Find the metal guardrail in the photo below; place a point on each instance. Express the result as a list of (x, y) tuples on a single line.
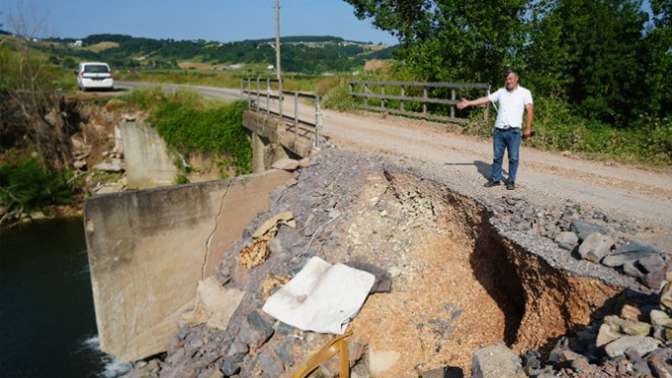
[(259, 100), (402, 97)]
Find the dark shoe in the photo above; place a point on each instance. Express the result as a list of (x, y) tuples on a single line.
[(490, 184), (510, 186)]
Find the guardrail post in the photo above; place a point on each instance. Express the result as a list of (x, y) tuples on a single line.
[(249, 93), (452, 107), (258, 93), (318, 126), (280, 96), (401, 102), (382, 98), (424, 104), (366, 92), (268, 96), (296, 112)]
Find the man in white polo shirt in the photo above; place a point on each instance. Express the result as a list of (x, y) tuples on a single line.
[(513, 101)]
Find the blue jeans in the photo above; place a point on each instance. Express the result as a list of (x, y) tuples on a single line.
[(508, 139)]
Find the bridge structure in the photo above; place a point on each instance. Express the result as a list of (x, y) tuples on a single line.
[(289, 123)]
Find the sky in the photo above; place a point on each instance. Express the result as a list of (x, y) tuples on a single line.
[(218, 20)]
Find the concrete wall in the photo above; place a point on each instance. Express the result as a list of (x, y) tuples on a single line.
[(148, 163), (148, 250)]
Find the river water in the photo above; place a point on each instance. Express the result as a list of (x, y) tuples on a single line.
[(47, 320)]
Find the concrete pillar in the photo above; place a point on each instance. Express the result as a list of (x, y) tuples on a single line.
[(258, 154)]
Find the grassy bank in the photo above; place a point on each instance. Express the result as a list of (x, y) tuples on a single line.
[(27, 184), (188, 123)]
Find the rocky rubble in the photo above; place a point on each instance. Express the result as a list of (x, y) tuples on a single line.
[(634, 343), (590, 235)]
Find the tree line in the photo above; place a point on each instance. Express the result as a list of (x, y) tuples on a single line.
[(331, 54), (609, 59)]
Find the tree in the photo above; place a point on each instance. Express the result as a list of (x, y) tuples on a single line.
[(452, 39), (603, 56), (588, 51)]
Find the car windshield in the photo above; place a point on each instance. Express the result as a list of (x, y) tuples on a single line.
[(96, 68)]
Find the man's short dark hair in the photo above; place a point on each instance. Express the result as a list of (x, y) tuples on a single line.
[(510, 71)]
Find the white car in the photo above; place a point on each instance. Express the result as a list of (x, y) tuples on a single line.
[(94, 75)]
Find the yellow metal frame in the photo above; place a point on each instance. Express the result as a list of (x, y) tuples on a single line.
[(338, 345)]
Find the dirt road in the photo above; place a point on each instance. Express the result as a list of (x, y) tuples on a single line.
[(642, 195)]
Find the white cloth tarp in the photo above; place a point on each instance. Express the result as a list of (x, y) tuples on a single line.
[(321, 297)]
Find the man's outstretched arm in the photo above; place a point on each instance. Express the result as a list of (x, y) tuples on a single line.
[(466, 103)]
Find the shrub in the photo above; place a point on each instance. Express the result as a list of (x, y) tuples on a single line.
[(26, 183), (187, 125), (338, 97)]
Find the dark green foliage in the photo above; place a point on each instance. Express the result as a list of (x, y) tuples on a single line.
[(27, 184), (590, 52), (189, 127)]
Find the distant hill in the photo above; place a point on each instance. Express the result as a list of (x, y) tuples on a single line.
[(303, 54)]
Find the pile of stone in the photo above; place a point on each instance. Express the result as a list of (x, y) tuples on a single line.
[(635, 343), (590, 235)]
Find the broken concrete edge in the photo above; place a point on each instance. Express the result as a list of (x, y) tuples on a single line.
[(239, 179)]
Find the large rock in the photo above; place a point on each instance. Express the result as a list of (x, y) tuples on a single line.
[(584, 229), (606, 335), (654, 268), (666, 296), (257, 332), (641, 344), (444, 372), (634, 247), (215, 304), (660, 318), (113, 165), (567, 240), (496, 361), (617, 259), (381, 361), (635, 328), (286, 164), (595, 247)]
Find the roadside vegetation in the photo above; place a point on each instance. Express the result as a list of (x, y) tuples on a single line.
[(27, 184), (35, 153), (188, 123)]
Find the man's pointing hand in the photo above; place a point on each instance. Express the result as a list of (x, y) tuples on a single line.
[(463, 104)]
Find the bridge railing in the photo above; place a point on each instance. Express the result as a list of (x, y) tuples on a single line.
[(263, 96), (427, 100)]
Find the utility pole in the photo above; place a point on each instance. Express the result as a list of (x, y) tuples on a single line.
[(278, 69)]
